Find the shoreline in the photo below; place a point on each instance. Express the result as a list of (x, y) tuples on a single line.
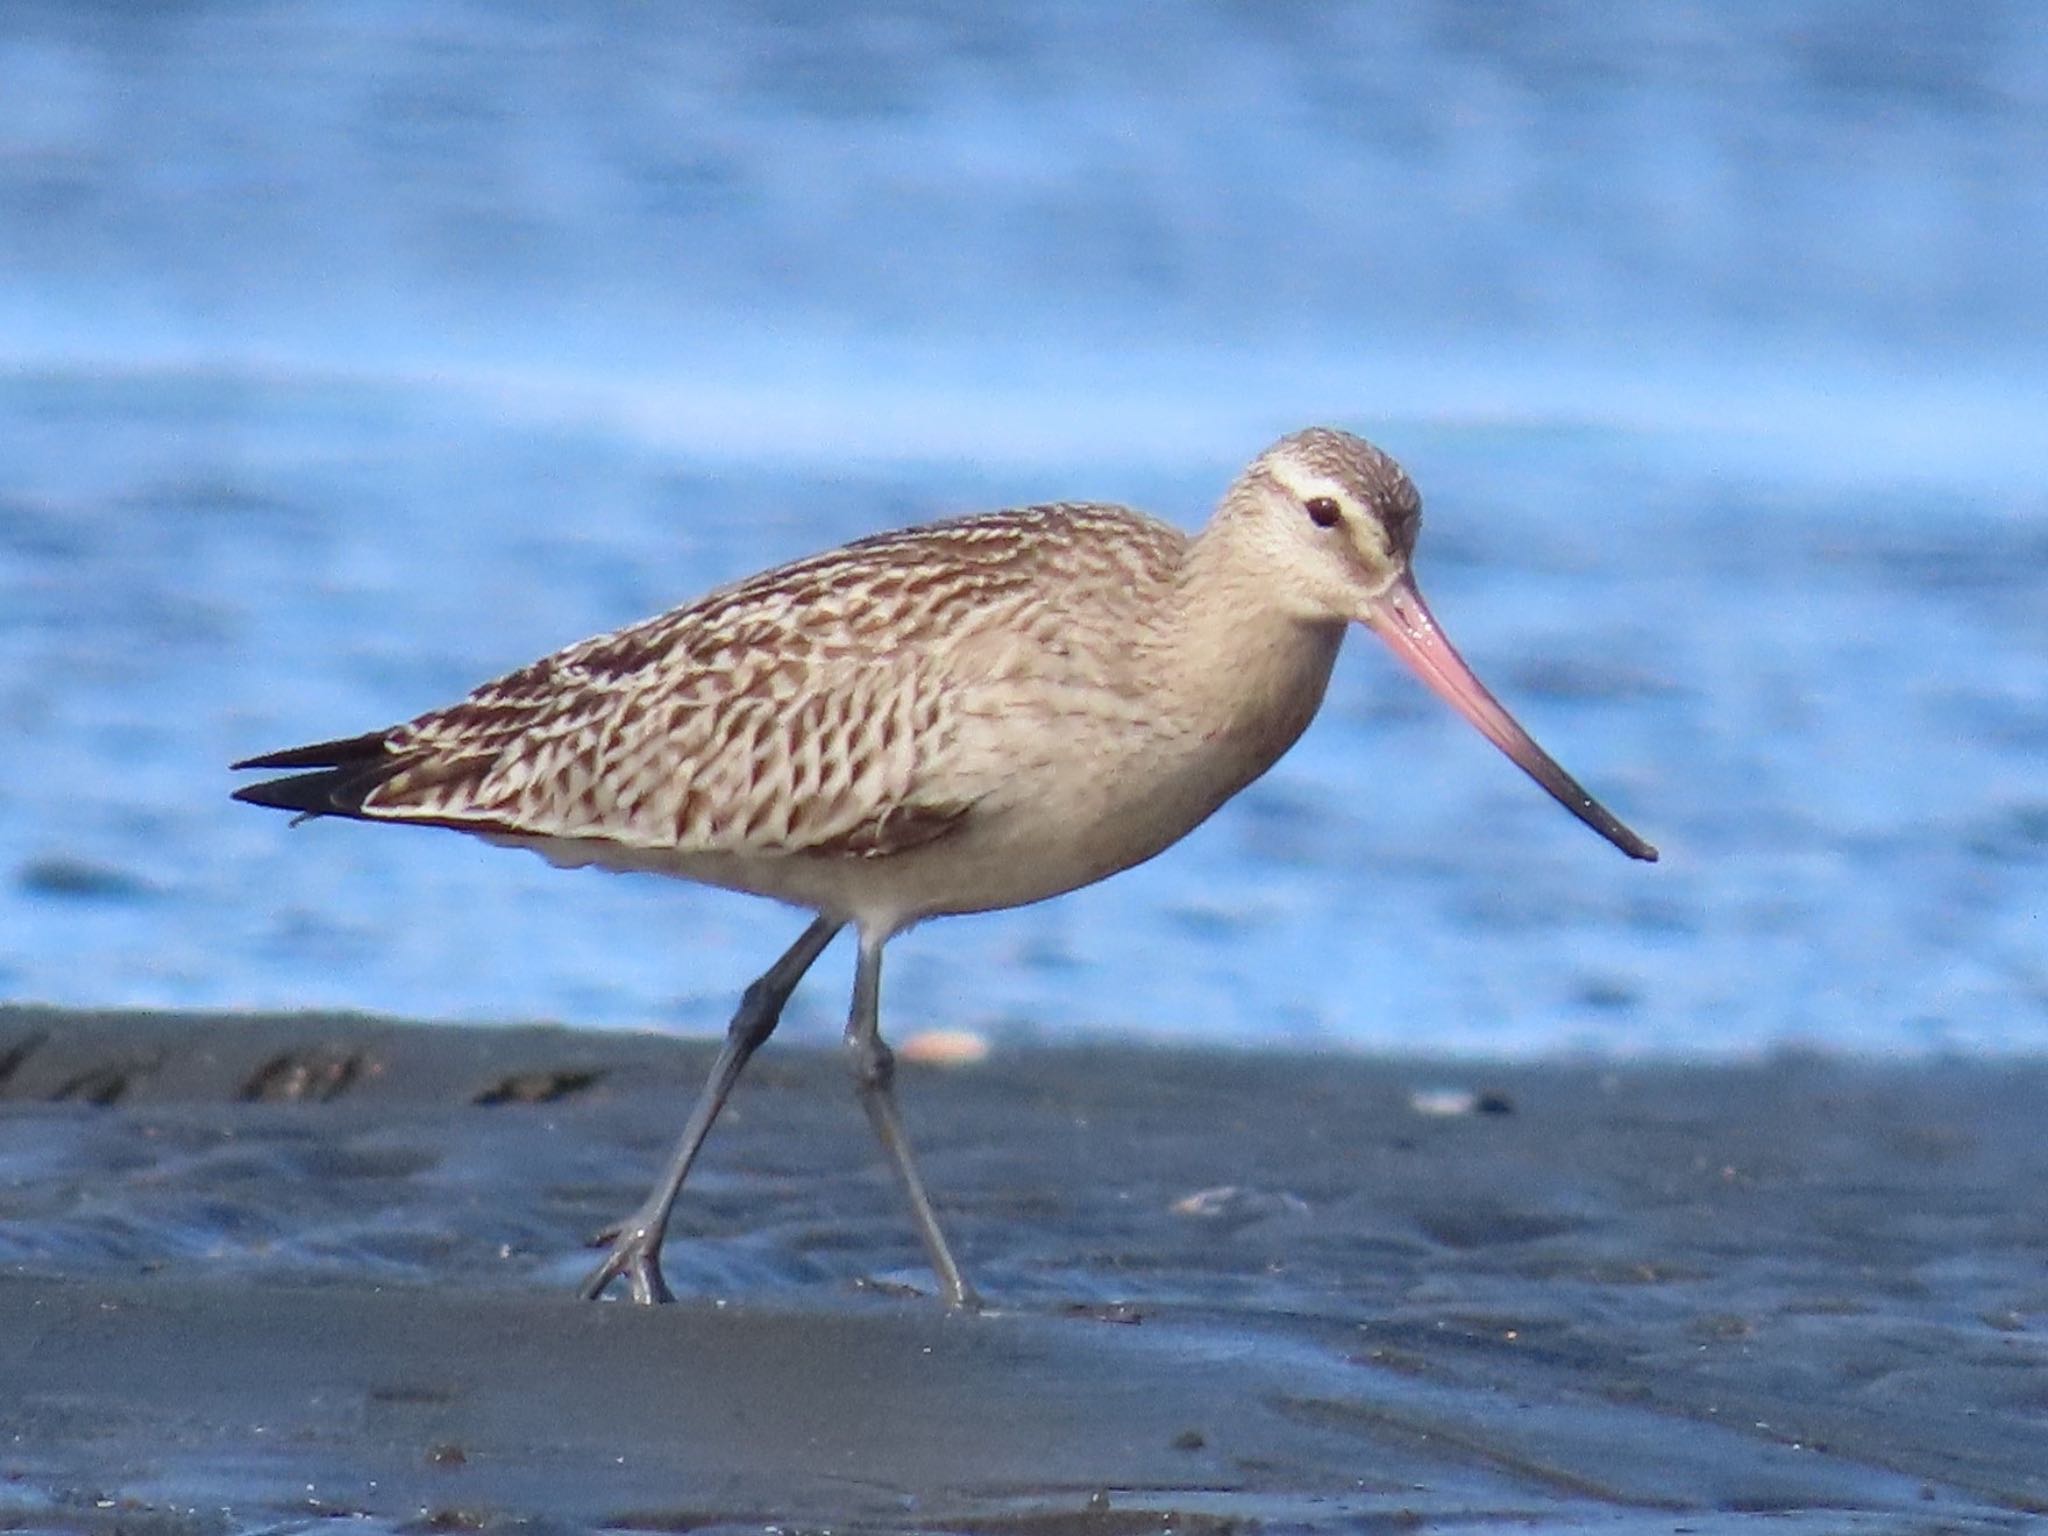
[(260, 1268)]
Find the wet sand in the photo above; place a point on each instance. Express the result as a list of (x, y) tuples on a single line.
[(259, 1271)]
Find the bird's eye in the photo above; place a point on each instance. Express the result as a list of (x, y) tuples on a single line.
[(1323, 511)]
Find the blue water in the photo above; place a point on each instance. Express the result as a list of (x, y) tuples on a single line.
[(350, 354)]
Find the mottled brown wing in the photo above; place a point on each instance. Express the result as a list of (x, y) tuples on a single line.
[(839, 706), (805, 710), (754, 742)]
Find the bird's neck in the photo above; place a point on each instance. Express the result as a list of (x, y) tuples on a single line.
[(1256, 667)]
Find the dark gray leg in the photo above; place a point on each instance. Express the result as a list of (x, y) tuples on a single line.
[(874, 1075), (636, 1242)]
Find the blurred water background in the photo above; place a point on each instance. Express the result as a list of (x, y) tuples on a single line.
[(352, 353)]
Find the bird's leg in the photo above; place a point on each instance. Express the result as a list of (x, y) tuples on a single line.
[(874, 1076), (636, 1242)]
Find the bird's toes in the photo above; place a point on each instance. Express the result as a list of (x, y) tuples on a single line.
[(634, 1258), (643, 1276), (594, 1284), (967, 1299)]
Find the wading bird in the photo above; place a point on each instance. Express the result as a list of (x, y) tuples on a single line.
[(954, 718)]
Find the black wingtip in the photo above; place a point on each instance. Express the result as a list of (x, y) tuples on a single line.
[(345, 771), (342, 752), (309, 794)]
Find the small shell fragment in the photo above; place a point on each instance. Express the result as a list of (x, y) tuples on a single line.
[(1443, 1101), (944, 1048)]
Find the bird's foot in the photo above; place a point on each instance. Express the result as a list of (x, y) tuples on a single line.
[(965, 1299), (635, 1257)]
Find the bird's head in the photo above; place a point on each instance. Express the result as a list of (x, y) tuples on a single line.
[(1335, 521), (1336, 515)]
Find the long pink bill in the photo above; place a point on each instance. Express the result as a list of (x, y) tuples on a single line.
[(1402, 619)]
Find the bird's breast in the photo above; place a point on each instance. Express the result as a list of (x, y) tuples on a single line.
[(1077, 773)]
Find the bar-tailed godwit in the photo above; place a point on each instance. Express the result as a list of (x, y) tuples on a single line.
[(954, 718)]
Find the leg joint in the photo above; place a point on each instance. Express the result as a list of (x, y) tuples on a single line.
[(759, 1011), (874, 1064)]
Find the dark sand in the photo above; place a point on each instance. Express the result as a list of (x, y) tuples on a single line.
[(255, 1272)]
